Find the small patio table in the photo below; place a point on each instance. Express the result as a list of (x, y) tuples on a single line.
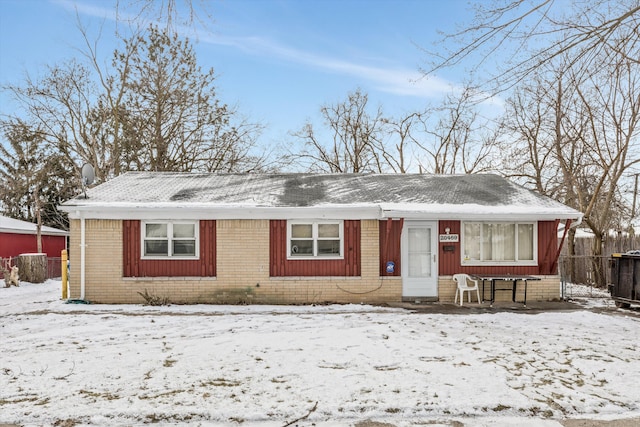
[(510, 278)]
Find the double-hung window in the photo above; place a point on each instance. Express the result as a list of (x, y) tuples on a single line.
[(315, 239), (499, 243), (175, 239)]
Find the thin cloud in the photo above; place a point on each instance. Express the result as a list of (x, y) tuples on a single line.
[(392, 80), (83, 8), (397, 81)]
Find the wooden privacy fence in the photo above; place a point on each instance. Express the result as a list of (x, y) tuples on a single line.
[(612, 244), (584, 268)]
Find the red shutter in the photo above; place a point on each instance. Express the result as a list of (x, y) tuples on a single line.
[(280, 266), (134, 266)]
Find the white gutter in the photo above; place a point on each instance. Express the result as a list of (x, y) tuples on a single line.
[(356, 211), (480, 216), (204, 212), (577, 223)]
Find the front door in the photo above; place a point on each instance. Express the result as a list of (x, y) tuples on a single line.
[(419, 259)]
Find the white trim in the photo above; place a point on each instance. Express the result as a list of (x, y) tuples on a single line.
[(314, 239), (200, 212), (429, 212), (170, 223), (478, 263), (500, 213)]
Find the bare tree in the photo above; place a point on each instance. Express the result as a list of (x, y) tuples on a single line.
[(398, 146), (542, 129), (173, 119), (455, 138), (172, 13), (529, 35), (450, 138), (354, 134), (109, 110), (62, 107), (33, 178), (613, 123), (144, 112), (576, 139)]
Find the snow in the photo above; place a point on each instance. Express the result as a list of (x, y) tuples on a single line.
[(12, 225), (269, 365), (268, 196)]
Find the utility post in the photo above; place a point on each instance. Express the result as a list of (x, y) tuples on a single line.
[(635, 195), (633, 210)]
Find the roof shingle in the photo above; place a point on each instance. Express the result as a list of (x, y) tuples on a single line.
[(388, 191)]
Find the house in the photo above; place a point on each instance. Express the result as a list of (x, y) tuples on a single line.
[(19, 237), (307, 238)]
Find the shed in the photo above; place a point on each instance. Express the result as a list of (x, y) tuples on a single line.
[(19, 237)]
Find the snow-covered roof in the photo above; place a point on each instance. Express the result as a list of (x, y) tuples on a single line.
[(162, 194), (16, 226)]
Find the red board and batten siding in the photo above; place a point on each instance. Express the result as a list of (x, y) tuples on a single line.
[(135, 266), (390, 232), (547, 245), (449, 261), (280, 266)]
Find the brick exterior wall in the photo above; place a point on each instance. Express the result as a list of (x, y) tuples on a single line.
[(243, 272), (546, 289)]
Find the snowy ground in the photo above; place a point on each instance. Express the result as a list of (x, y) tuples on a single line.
[(72, 364)]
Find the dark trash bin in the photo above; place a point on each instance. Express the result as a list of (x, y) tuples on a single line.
[(625, 278)]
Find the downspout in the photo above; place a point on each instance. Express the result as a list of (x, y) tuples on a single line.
[(82, 257), (564, 235)]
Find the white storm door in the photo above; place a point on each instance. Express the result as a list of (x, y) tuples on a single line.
[(419, 259)]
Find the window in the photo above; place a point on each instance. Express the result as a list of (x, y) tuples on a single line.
[(503, 243), (320, 239), (169, 239)]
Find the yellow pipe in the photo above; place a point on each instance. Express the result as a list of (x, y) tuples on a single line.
[(64, 274)]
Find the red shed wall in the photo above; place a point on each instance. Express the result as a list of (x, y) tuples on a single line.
[(13, 244), (280, 266), (135, 266)]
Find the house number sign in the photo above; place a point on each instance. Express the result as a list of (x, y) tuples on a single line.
[(449, 237)]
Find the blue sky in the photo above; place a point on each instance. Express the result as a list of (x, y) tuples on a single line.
[(278, 60)]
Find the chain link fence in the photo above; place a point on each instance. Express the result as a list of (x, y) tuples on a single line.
[(584, 276), (54, 266)]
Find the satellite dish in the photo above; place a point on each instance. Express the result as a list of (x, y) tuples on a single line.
[(88, 174)]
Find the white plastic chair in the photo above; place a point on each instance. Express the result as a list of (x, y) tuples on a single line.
[(462, 281)]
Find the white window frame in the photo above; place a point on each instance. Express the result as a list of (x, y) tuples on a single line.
[(315, 238), (169, 238), (466, 261)]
